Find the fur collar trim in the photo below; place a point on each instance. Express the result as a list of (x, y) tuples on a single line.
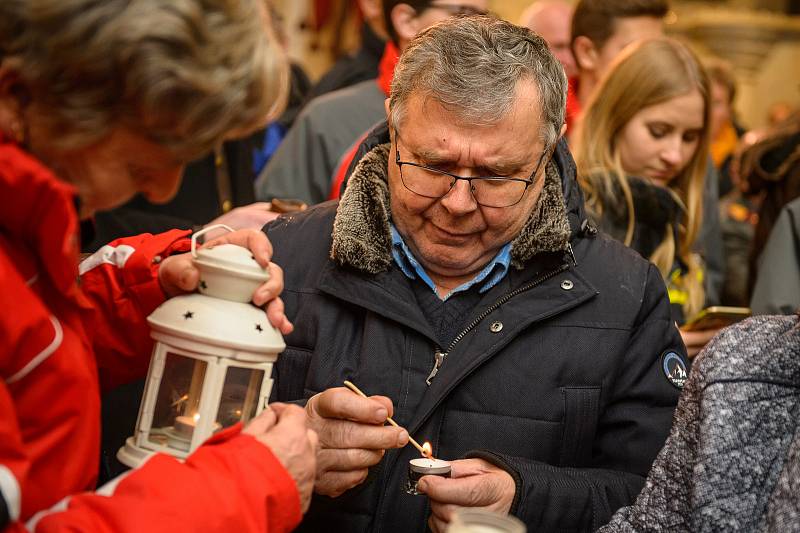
[(361, 234)]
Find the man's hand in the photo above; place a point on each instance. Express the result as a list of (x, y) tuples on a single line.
[(473, 483), (352, 437), (178, 275), (282, 428), (697, 340)]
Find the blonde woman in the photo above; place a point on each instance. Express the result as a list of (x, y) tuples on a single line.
[(641, 149)]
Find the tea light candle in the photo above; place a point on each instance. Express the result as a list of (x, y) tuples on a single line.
[(184, 425), (427, 466)]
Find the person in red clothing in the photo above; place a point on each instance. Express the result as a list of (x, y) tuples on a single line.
[(99, 101)]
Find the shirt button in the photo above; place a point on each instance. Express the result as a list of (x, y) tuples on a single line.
[(567, 284), (496, 327)]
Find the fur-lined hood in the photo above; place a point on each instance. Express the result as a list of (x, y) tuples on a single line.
[(361, 234)]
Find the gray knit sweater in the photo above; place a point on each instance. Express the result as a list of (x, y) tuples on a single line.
[(732, 460)]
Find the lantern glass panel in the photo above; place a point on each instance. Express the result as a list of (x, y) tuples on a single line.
[(240, 395), (177, 406)]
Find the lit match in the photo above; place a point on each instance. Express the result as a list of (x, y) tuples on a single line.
[(427, 450)]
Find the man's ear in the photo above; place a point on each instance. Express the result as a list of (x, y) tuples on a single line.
[(585, 53), (405, 22), (391, 127), (563, 130)]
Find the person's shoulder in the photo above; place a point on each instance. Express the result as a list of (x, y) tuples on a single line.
[(339, 114), (347, 96), (604, 253), (762, 348), (623, 279), (793, 208), (301, 243), (304, 229)]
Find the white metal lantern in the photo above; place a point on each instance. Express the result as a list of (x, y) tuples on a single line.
[(212, 358)]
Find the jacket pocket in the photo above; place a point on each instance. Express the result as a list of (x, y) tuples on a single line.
[(581, 408), (289, 373)]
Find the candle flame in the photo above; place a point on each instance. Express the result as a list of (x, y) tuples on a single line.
[(427, 449), (196, 417)]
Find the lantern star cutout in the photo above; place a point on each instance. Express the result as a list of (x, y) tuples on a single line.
[(203, 285), (259, 328), (188, 315)]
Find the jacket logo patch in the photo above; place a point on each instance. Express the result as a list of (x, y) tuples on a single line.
[(674, 369)]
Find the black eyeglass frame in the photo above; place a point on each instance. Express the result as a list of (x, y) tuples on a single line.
[(528, 182)]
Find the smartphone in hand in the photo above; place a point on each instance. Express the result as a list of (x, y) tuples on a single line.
[(715, 317)]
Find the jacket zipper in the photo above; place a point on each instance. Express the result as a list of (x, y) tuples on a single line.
[(439, 356)]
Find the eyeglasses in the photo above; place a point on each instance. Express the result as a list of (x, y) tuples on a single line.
[(459, 9), (488, 191)]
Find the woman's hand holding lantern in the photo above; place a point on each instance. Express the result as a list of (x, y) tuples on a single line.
[(178, 275)]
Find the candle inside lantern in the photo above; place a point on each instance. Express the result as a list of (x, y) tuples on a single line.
[(427, 466), (179, 436), (184, 425)]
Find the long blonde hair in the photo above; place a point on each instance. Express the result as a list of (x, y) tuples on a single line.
[(646, 74)]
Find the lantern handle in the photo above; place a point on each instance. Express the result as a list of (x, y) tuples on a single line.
[(206, 230)]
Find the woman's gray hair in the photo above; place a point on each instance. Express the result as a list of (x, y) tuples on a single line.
[(471, 65), (185, 73)]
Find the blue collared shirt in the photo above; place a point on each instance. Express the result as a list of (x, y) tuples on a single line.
[(488, 277)]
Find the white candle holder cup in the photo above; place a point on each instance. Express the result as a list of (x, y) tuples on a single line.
[(425, 467)]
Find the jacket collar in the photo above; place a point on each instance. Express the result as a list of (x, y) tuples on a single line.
[(362, 236), (655, 209), (38, 210)]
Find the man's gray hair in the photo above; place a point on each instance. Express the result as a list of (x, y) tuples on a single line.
[(472, 65)]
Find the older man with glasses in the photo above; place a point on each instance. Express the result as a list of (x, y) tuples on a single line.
[(458, 281)]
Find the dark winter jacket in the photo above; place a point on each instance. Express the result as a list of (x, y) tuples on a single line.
[(732, 460), (558, 377)]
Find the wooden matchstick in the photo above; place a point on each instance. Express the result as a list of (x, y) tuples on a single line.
[(355, 389)]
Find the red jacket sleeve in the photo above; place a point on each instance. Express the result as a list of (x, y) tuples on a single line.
[(121, 283), (231, 483)]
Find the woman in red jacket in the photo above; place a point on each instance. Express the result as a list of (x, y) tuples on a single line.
[(99, 101)]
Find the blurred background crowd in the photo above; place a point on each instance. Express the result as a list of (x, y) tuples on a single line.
[(341, 48)]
